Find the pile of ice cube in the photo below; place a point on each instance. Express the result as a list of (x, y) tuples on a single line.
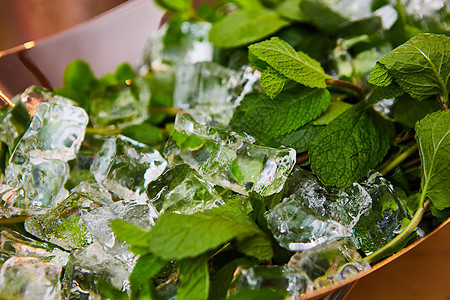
[(323, 226)]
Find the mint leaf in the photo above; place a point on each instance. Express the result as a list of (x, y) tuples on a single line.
[(322, 15), (176, 236), (146, 267), (291, 10), (194, 279), (175, 5), (408, 111), (268, 118), (334, 109), (272, 82), (144, 133), (243, 27), (433, 139), (136, 237), (421, 66), (352, 144), (299, 139), (260, 294), (297, 66), (379, 76), (221, 279)]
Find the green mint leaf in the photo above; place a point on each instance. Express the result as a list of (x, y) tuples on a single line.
[(322, 15), (136, 237), (297, 66), (194, 279), (243, 27), (352, 144), (146, 267), (108, 291), (144, 133), (272, 82), (267, 118), (433, 139), (299, 139), (124, 72), (441, 215), (175, 5), (421, 66), (408, 111), (379, 75), (291, 9), (260, 294), (176, 236), (334, 109), (221, 280)]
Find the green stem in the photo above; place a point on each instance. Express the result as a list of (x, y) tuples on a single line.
[(377, 255), (103, 131), (345, 84), (399, 159), (444, 101)]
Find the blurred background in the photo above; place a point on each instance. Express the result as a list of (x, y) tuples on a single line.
[(422, 273)]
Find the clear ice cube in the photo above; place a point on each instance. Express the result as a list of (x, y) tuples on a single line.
[(229, 159), (125, 167), (344, 205), (29, 278), (268, 277), (63, 225), (56, 132), (14, 122), (211, 92), (122, 106), (328, 264), (192, 46), (182, 190), (384, 220), (297, 229), (36, 183)]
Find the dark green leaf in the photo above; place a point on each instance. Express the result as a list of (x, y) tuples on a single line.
[(144, 133), (76, 176), (334, 109), (441, 215), (221, 280), (322, 15), (243, 27), (291, 9), (108, 291), (433, 139), (408, 111), (176, 236), (194, 279), (421, 66), (299, 139), (268, 118), (124, 72), (146, 267), (297, 66), (350, 146)]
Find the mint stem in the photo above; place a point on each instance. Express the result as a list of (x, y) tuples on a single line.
[(399, 159), (377, 255), (444, 102), (345, 84)]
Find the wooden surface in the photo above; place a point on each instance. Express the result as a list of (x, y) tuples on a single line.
[(422, 273)]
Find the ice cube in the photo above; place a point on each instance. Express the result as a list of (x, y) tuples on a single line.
[(182, 190), (268, 277), (328, 264), (192, 46), (122, 106), (63, 225), (211, 92), (297, 229), (29, 278), (125, 167), (14, 244), (87, 266), (344, 205), (56, 132), (14, 121), (383, 221), (36, 183), (229, 159)]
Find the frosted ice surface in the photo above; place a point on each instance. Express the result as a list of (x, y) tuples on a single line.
[(182, 190), (297, 229), (29, 278), (229, 159), (125, 167), (211, 92)]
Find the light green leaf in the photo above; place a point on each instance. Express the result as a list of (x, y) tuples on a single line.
[(291, 9), (194, 279), (132, 235), (175, 5), (433, 139), (334, 109), (272, 82), (176, 236), (379, 76), (297, 66), (267, 118), (350, 146), (421, 66), (243, 27)]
